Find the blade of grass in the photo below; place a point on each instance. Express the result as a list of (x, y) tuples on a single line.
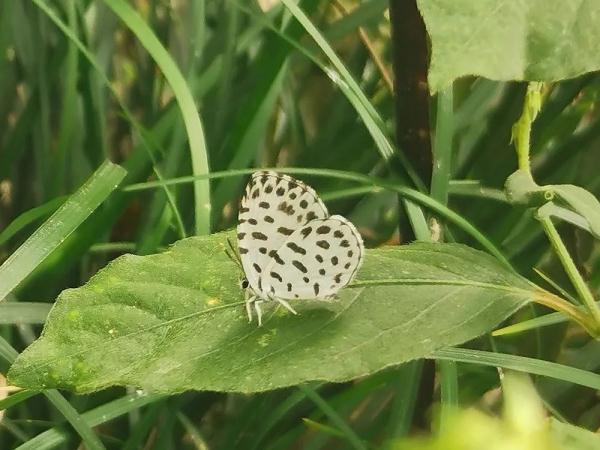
[(68, 109), (149, 143), (411, 194), (29, 217), (104, 413), (139, 431), (521, 364), (16, 398), (277, 414), (538, 322), (23, 312), (90, 439), (195, 132), (365, 12), (403, 408), (342, 77), (348, 433), (193, 432), (449, 391), (59, 226)]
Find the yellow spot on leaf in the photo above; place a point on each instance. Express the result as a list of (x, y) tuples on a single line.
[(212, 301)]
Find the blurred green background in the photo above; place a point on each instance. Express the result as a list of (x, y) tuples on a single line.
[(72, 97)]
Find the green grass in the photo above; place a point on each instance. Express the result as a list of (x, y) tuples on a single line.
[(188, 98)]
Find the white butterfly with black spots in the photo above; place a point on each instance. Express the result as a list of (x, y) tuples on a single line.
[(290, 247)]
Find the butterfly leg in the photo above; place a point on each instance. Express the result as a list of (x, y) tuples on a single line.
[(286, 305), (250, 299), (257, 303), (249, 302)]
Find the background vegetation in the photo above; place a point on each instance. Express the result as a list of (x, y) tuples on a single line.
[(169, 89)]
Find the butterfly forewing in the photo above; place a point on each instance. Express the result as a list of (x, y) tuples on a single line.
[(316, 261), (272, 208)]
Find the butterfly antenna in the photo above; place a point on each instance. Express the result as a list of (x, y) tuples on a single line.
[(233, 255)]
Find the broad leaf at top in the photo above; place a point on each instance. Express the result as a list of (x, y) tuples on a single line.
[(534, 40), (176, 321)]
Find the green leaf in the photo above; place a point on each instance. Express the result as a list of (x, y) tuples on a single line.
[(175, 321), (521, 189), (582, 202), (534, 40)]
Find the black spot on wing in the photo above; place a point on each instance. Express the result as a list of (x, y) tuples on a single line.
[(316, 288), (322, 244), (296, 248), (347, 266), (264, 205), (273, 254), (344, 243), (240, 236), (311, 216), (252, 221), (269, 219), (258, 235), (256, 267), (298, 265), (319, 258), (334, 260), (350, 253), (242, 250), (285, 231), (322, 271), (263, 250), (338, 278), (244, 210), (256, 193), (288, 209), (305, 232), (280, 191), (338, 234), (289, 287), (276, 276), (303, 204), (306, 280), (323, 229), (269, 189)]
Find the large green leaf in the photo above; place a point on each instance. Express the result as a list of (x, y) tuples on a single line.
[(176, 321), (545, 40)]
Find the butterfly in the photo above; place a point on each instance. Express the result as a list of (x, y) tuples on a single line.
[(289, 246)]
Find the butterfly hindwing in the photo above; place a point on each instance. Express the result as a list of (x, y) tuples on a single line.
[(272, 208), (316, 261)]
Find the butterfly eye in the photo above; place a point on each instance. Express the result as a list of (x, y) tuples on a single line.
[(244, 283)]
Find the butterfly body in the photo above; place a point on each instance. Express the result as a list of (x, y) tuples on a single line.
[(290, 247)]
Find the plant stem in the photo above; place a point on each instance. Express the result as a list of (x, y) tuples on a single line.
[(582, 289), (522, 128)]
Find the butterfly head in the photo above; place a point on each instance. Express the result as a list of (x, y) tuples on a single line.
[(244, 283)]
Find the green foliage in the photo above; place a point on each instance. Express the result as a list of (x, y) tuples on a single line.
[(188, 97), (542, 40)]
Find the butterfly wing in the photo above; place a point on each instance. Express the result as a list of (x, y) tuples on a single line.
[(316, 261), (272, 208)]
